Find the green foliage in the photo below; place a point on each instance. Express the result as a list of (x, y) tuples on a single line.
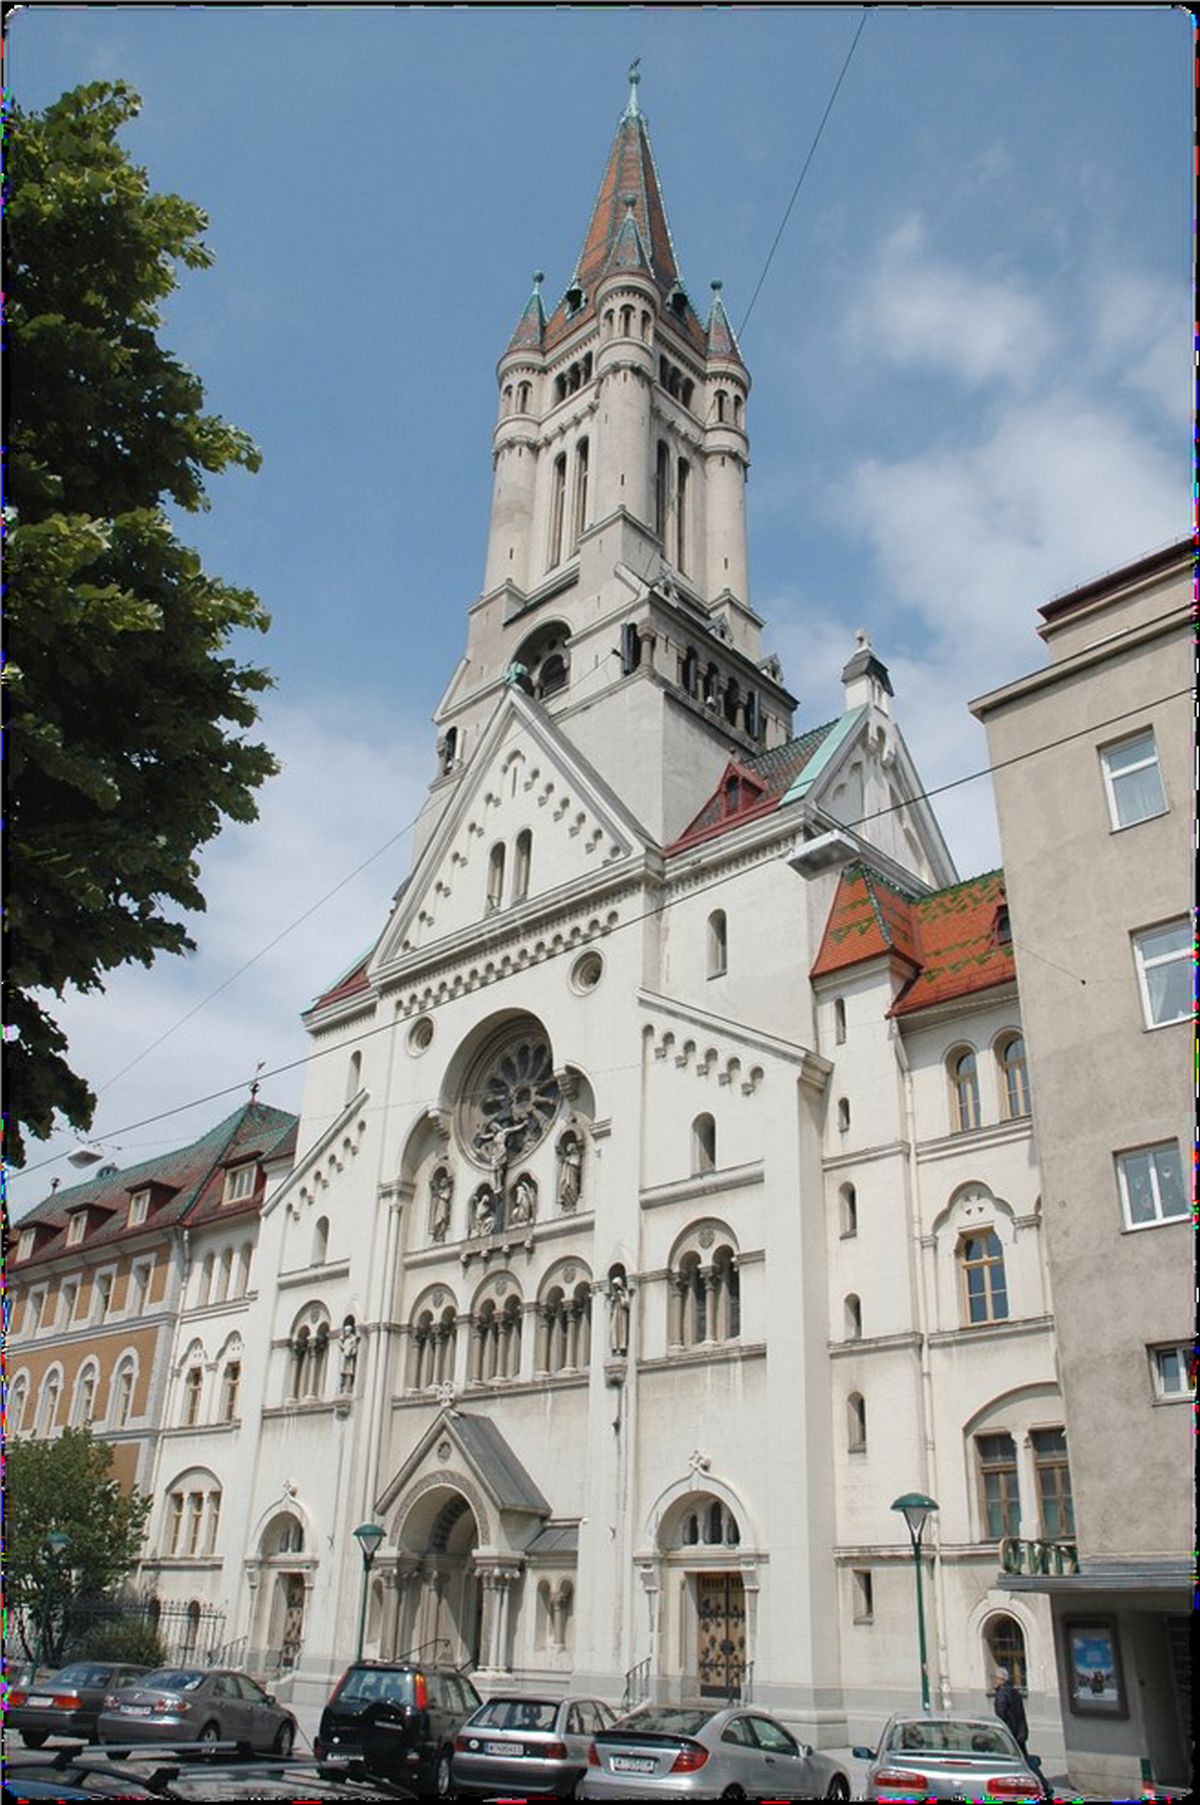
[(131, 1639), (128, 720), (67, 1485)]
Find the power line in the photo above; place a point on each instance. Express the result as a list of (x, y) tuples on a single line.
[(658, 909), (800, 179)]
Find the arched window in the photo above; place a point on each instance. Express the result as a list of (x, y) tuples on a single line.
[(243, 1278), (712, 686), (1014, 1076), (320, 1243), (524, 392), (689, 675), (682, 513), (985, 1292), (707, 1523), (558, 502), (662, 486), (720, 399), (579, 521), (354, 1075), (495, 882), (856, 1423), (47, 1417), (848, 1212), (626, 322), (496, 1341), (704, 1144), (231, 1380), (193, 1385), (964, 1090), (839, 1020), (1004, 1644), (552, 677), (433, 1339), (224, 1274), (843, 1115), (853, 1318), (705, 1297), (733, 701), (206, 1278), (565, 1329), (17, 1405), (84, 1407), (718, 944), (120, 1397), (523, 852)]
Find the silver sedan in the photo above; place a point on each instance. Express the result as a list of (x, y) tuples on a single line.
[(527, 1746), (707, 1751), (948, 1757)]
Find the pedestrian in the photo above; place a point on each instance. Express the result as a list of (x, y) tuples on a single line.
[(1010, 1709)]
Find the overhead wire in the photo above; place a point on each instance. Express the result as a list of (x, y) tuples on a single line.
[(658, 909)]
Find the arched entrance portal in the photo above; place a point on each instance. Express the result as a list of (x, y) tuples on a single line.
[(438, 1586)]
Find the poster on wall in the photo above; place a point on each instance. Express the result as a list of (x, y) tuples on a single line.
[(1095, 1681)]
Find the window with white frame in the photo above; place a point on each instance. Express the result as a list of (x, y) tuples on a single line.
[(1174, 1371), (121, 1395), (1164, 967), (1151, 1185), (67, 1298), (239, 1183), (102, 1295), (1133, 780), (139, 1288), (984, 1287), (18, 1404), (864, 1595), (1013, 1075), (76, 1227), (139, 1208), (35, 1310), (25, 1244)]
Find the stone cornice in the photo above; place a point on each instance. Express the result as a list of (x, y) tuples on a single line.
[(702, 1185)]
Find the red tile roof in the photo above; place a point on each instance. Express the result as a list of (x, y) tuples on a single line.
[(950, 939), (354, 981), (767, 777)]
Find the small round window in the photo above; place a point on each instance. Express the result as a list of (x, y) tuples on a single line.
[(420, 1035), (587, 972)]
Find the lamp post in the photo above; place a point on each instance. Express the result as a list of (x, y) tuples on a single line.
[(917, 1508), (57, 1543), (368, 1536)]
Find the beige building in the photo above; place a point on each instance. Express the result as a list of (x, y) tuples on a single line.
[(1094, 786)]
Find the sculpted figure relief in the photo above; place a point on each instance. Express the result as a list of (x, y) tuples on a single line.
[(441, 1192), (570, 1169), (483, 1211), (618, 1315), (523, 1208)]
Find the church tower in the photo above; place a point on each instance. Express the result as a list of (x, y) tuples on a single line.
[(616, 590)]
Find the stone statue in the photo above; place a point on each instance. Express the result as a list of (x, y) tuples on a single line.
[(483, 1211), (348, 1349), (441, 1191), (494, 1143), (570, 1170), (618, 1315), (524, 1201)]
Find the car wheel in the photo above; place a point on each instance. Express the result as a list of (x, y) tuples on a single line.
[(733, 1792), (33, 1739), (838, 1788), (284, 1741), (210, 1733), (441, 1775)]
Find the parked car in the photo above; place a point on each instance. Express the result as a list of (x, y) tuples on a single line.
[(528, 1746), (948, 1757), (400, 1718), (187, 1771), (197, 1704), (68, 1703), (707, 1750)]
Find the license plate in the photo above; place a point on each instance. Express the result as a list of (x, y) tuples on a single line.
[(137, 1710), (39, 1701), (503, 1748), (633, 1764)]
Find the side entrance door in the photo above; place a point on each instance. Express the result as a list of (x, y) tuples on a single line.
[(721, 1629)]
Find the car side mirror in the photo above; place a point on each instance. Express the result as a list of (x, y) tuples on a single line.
[(861, 1754), (805, 1750), (271, 1699)]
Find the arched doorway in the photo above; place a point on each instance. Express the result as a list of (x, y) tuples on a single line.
[(440, 1591), (707, 1640)]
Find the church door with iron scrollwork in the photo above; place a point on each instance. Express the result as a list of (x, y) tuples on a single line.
[(721, 1629)]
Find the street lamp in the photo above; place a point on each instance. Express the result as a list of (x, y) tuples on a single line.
[(368, 1536), (57, 1543), (917, 1508)]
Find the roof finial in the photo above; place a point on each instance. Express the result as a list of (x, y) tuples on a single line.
[(539, 276), (254, 1085), (631, 111), (862, 639)]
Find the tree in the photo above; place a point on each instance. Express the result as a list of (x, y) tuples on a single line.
[(67, 1486), (127, 717)]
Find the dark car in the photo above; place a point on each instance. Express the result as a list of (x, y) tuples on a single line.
[(68, 1703), (533, 1747), (195, 1771), (400, 1719), (197, 1704)]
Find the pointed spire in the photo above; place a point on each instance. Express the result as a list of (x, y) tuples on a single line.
[(531, 327), (721, 339), (631, 110)]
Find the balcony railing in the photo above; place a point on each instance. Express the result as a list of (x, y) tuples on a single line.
[(1019, 1555)]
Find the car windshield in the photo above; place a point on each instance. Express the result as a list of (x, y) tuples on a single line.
[(82, 1673), (369, 1685), (663, 1721), (517, 1714), (173, 1679), (951, 1736)]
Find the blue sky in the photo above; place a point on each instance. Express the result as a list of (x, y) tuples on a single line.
[(971, 361)]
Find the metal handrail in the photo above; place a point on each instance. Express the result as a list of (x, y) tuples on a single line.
[(637, 1685)]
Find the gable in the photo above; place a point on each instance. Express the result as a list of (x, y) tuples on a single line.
[(530, 818), (459, 1445)]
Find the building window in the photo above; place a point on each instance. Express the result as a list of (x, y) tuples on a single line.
[(985, 1293), (495, 878), (496, 1342), (579, 521), (230, 1385), (85, 1398), (224, 1275), (243, 1278), (998, 1483), (239, 1184), (34, 1310), (1174, 1371), (25, 1244), (1133, 780), (853, 1318), (122, 1395), (1151, 1184), (704, 1144), (839, 1020), (206, 1278), (558, 501), (76, 1227), (353, 1076), (195, 1516), (718, 944), (1054, 1484), (1004, 1641), (1014, 1076), (320, 1242), (682, 511), (213, 1524), (103, 1295), (706, 1304), (856, 1423), (848, 1212), (523, 854), (864, 1595), (843, 1115), (432, 1346), (18, 1404), (964, 1091), (139, 1208), (662, 487), (48, 1405), (565, 1330), (174, 1522), (139, 1289), (192, 1385), (67, 1298), (1164, 968)]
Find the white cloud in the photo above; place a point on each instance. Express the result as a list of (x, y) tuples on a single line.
[(1142, 336), (920, 310)]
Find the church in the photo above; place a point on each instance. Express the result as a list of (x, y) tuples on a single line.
[(667, 1202)]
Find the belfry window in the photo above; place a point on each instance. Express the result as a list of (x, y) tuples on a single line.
[(558, 500), (681, 514), (579, 521), (662, 486)]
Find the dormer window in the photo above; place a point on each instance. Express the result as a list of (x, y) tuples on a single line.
[(25, 1244), (239, 1183), (139, 1208), (1002, 927), (76, 1227)]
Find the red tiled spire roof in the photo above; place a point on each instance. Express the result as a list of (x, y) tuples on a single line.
[(955, 940), (531, 327), (721, 339)]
